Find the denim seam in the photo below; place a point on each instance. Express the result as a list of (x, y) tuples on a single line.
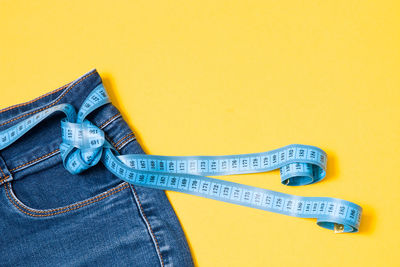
[(147, 222), (124, 140), (144, 217), (71, 205), (107, 122), (126, 136), (52, 104), (65, 209), (29, 163), (3, 177), (36, 99), (127, 142), (3, 174)]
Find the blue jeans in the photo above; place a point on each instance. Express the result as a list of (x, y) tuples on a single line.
[(49, 217)]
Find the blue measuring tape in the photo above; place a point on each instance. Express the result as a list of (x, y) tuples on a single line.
[(84, 146)]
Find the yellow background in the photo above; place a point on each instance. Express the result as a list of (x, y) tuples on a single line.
[(233, 77)]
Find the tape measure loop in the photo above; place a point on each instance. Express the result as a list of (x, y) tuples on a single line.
[(337, 226), (297, 174), (84, 145)]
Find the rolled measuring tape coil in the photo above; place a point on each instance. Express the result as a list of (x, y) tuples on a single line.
[(84, 145)]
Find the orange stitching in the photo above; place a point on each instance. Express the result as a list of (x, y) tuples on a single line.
[(90, 201), (34, 160), (4, 179), (52, 104), (126, 141), (4, 176), (2, 172), (109, 139), (111, 142), (102, 125), (72, 205), (124, 138), (36, 99), (151, 230)]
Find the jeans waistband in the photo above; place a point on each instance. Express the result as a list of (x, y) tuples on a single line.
[(39, 148)]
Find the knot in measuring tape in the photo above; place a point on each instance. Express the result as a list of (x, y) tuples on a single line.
[(84, 145), (82, 141)]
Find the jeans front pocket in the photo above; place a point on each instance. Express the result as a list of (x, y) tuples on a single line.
[(53, 190), (104, 229), (24, 208)]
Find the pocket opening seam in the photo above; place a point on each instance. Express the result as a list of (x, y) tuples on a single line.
[(50, 212), (35, 160)]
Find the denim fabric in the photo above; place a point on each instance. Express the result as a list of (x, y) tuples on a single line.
[(49, 217)]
